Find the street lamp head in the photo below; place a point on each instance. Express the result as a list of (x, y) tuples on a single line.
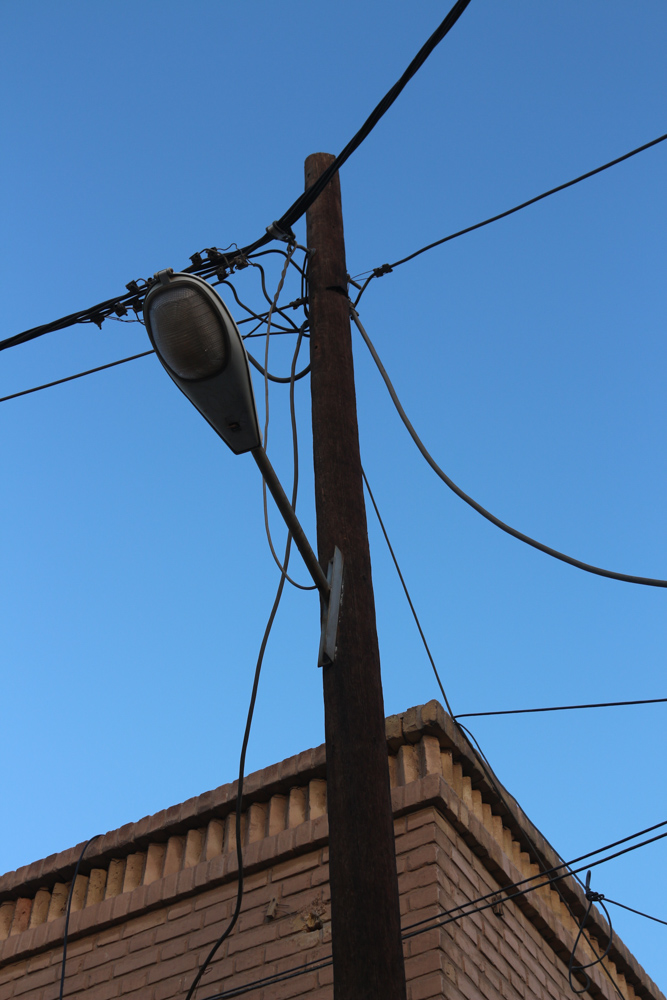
[(200, 347)]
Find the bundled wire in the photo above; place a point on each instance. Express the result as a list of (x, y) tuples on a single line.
[(281, 229), (587, 567)]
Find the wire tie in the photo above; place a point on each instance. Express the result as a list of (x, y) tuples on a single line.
[(383, 269)]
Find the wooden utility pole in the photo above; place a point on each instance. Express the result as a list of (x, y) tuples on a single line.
[(365, 917)]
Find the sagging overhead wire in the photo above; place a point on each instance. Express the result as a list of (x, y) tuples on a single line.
[(207, 262), (377, 272), (587, 567)]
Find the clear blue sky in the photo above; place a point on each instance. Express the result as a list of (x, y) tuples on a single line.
[(531, 356)]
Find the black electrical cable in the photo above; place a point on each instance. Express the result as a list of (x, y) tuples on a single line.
[(67, 914), (69, 378), (386, 268), (407, 595), (492, 896), (472, 739), (239, 796), (587, 567), (280, 229), (638, 912), (560, 708), (439, 921), (572, 968), (303, 202)]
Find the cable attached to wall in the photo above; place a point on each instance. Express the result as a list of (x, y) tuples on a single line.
[(573, 969), (70, 895)]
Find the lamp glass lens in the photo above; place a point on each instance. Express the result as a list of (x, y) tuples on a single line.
[(188, 332)]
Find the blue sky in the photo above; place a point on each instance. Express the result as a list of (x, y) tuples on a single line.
[(530, 356)]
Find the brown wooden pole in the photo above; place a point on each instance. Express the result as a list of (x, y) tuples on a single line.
[(366, 933)]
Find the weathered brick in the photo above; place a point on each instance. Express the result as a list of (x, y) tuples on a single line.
[(173, 967)]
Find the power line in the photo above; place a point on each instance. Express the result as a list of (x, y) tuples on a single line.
[(587, 567), (407, 595), (638, 912), (560, 708), (489, 899), (222, 259), (239, 795), (69, 378), (386, 268), (308, 197)]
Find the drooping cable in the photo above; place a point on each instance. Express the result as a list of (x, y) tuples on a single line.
[(67, 914), (587, 567), (560, 708), (387, 268), (239, 795), (574, 969), (295, 449)]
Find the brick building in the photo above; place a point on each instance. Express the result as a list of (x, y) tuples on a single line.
[(153, 896)]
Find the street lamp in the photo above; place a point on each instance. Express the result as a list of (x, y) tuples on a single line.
[(200, 347)]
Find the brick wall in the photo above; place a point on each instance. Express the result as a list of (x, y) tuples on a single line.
[(154, 895)]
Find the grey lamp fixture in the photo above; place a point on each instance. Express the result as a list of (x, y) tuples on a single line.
[(200, 347)]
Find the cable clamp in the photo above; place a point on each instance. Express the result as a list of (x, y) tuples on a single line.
[(383, 269), (592, 897), (136, 287), (239, 262), (279, 234)]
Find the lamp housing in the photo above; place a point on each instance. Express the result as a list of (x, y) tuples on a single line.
[(200, 347)]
